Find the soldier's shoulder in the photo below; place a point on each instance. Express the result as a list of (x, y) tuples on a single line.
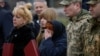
[(85, 20), (86, 17), (85, 14)]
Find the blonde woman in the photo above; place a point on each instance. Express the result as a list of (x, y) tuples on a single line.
[(23, 30), (53, 41)]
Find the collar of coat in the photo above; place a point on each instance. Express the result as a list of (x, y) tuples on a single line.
[(79, 16)]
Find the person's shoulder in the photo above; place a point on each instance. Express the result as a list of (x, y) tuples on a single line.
[(85, 16), (85, 19), (31, 26), (5, 12), (57, 23)]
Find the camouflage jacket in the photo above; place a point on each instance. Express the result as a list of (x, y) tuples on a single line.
[(92, 40), (75, 33)]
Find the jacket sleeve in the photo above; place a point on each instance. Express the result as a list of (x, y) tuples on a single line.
[(57, 48), (7, 24)]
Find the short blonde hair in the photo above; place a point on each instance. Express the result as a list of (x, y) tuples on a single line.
[(49, 14), (23, 10)]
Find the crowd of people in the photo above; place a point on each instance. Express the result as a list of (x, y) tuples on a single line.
[(81, 37)]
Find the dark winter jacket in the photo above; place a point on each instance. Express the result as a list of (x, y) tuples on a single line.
[(20, 37), (57, 44), (6, 24)]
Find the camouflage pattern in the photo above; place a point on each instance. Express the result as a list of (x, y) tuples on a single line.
[(75, 32), (93, 2), (92, 39), (68, 2)]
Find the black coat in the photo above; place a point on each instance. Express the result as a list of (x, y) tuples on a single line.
[(36, 23), (57, 44), (20, 37), (6, 24)]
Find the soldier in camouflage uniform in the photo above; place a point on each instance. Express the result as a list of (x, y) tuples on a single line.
[(77, 26), (92, 40)]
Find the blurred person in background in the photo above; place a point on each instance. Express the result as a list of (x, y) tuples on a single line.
[(39, 6), (20, 3), (6, 23), (4, 5)]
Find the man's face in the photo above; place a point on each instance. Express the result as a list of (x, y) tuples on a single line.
[(70, 10), (2, 3), (95, 10), (39, 7)]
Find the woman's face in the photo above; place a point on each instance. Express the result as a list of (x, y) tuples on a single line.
[(18, 21), (43, 22)]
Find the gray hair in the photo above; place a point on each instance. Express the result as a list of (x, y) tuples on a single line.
[(20, 3), (42, 1)]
